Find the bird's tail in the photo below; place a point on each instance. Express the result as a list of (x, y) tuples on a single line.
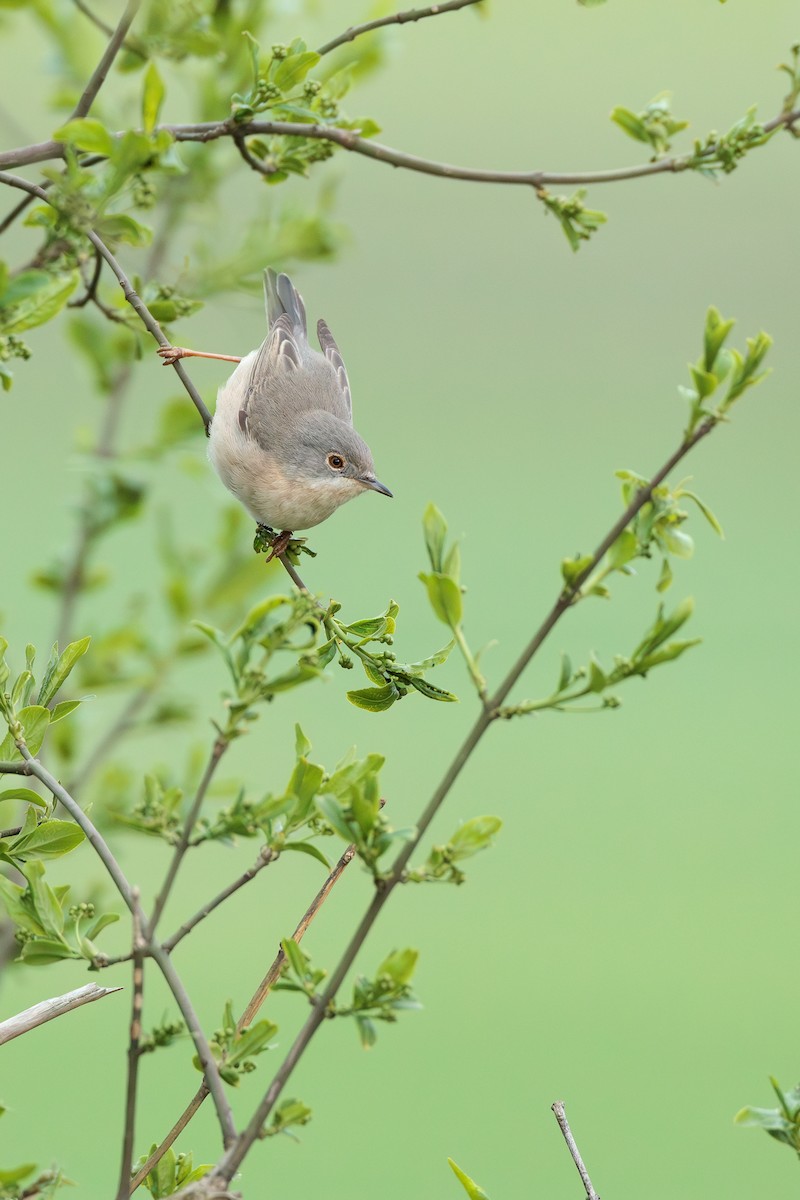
[(282, 297)]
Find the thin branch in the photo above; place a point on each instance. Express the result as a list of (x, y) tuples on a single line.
[(15, 768), (252, 162), (264, 859), (91, 287), (135, 301), (133, 1052), (109, 54), (221, 744), (207, 1061), (563, 1124), (258, 998), (90, 831), (100, 24), (348, 139), (231, 1161), (177, 1129), (46, 1010), (400, 18)]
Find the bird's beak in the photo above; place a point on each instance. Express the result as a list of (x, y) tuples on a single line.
[(371, 482)]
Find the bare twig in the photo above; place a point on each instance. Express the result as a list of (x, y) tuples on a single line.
[(563, 1123), (207, 1061), (399, 18), (258, 998), (254, 163), (133, 1051), (231, 1161), (46, 1010), (217, 750), (90, 831), (264, 859), (109, 54), (91, 286)]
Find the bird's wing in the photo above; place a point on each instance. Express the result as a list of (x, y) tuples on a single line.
[(334, 357), (279, 354)]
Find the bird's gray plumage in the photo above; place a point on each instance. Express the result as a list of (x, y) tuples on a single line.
[(289, 377), (282, 438)]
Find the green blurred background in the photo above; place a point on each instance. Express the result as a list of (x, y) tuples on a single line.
[(627, 946)]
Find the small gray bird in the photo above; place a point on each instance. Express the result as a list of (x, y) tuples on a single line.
[(282, 438)]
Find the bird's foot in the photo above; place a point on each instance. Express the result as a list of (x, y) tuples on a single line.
[(266, 539), (279, 544)]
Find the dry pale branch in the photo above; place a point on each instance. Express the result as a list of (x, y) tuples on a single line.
[(46, 1010)]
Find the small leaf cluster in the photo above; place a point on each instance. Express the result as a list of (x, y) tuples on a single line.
[(654, 649), (274, 626), (27, 299), (443, 585), (792, 69), (577, 222), (275, 817), (393, 680), (655, 125), (161, 1036), (719, 364), (724, 151), (288, 1115), (378, 999), (235, 1049), (781, 1123), (46, 929), (349, 804), (28, 723), (171, 1173), (441, 865), (281, 88)]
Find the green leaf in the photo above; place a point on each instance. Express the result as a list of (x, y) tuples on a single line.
[(86, 133), (435, 529), (293, 69), (63, 709), (21, 793), (705, 510), (444, 595), (57, 676), (50, 839), (302, 746), (294, 956), (374, 699), (332, 812), (34, 720), (310, 849), (631, 124), (35, 297), (152, 97), (473, 836), (573, 568), (120, 227), (399, 965), (431, 691), (469, 1185), (597, 676)]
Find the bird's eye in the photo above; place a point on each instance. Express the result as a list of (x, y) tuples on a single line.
[(336, 462)]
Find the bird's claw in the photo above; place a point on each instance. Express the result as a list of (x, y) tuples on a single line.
[(171, 354), (279, 544)]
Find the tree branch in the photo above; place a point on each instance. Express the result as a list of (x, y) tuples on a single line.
[(218, 749), (264, 859), (258, 998), (399, 18), (207, 1060), (104, 66), (231, 1161), (46, 1010), (133, 1052), (563, 1123), (348, 139)]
